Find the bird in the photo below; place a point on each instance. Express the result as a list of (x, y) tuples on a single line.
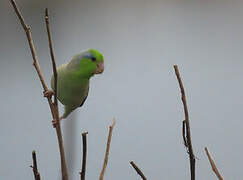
[(73, 79)]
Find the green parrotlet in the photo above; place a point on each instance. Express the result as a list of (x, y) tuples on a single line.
[(73, 79)]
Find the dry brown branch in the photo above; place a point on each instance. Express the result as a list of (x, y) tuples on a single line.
[(34, 166), (84, 138), (187, 136), (107, 150), (30, 41), (53, 106), (213, 165), (52, 57), (138, 170)]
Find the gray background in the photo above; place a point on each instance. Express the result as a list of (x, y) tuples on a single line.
[(140, 40)]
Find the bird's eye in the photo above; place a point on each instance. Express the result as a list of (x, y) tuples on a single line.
[(93, 59)]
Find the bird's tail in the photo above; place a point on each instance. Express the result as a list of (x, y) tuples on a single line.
[(67, 111)]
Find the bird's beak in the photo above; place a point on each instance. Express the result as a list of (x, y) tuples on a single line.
[(100, 68)]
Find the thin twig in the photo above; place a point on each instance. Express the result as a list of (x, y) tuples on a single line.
[(52, 56), (140, 173), (107, 150), (31, 44), (53, 106), (84, 138), (213, 165), (56, 112), (34, 166), (187, 122)]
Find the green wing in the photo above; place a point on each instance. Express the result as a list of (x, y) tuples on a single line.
[(71, 91)]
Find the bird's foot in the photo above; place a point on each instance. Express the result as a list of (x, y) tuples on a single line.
[(48, 93), (54, 121)]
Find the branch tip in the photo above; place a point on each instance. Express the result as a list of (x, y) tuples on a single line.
[(84, 133), (34, 166), (113, 123), (213, 165), (107, 150), (139, 172), (83, 170)]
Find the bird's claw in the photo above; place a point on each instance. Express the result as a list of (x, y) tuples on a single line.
[(54, 121), (48, 93)]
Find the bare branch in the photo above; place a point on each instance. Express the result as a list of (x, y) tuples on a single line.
[(52, 56), (53, 106), (187, 122), (21, 19), (138, 170), (213, 165), (34, 166), (31, 44), (56, 112), (107, 150), (82, 173)]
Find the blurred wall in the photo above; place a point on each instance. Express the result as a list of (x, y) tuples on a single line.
[(140, 40)]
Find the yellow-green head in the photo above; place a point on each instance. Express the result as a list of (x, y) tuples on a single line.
[(87, 63)]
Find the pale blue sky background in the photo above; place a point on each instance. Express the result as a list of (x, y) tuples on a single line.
[(140, 40)]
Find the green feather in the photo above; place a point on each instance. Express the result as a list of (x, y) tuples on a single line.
[(73, 79)]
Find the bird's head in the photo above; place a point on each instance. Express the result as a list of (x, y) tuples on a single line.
[(88, 63)]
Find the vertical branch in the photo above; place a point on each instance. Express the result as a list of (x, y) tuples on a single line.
[(52, 56), (107, 150), (53, 106), (34, 166), (140, 173), (186, 123), (213, 165), (82, 173)]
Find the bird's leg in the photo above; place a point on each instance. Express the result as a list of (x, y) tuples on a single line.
[(54, 121), (48, 93)]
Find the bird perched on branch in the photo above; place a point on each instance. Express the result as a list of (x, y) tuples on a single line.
[(73, 79)]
